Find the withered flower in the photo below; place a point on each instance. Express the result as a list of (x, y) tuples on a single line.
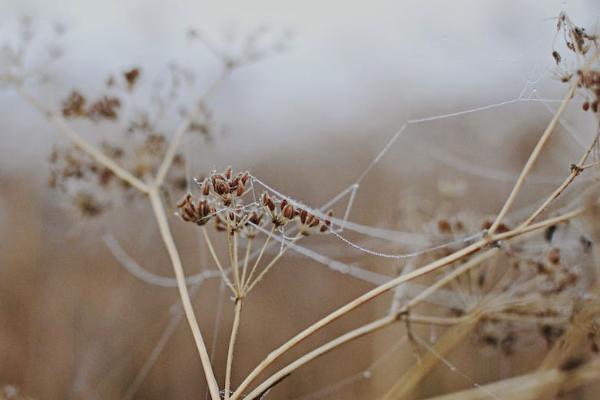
[(106, 108), (74, 105), (131, 77), (199, 213)]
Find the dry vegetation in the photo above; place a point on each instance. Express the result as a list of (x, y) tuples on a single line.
[(497, 284)]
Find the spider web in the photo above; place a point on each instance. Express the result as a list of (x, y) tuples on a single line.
[(417, 243)]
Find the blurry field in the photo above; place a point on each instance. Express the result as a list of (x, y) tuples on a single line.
[(75, 324)]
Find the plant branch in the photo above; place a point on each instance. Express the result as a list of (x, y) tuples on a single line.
[(211, 249), (257, 261), (167, 237), (246, 259), (270, 265), (576, 169), (232, 339), (532, 158), (376, 292), (86, 146), (184, 126), (528, 385)]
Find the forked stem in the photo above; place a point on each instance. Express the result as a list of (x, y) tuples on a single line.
[(378, 291), (211, 249), (532, 158), (257, 261), (269, 266)]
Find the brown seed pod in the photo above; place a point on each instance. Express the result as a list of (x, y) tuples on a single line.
[(240, 189), (288, 211), (221, 187), (268, 202), (556, 56), (205, 187)]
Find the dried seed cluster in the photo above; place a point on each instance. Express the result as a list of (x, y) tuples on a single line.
[(539, 281), (222, 199), (578, 41), (104, 108)]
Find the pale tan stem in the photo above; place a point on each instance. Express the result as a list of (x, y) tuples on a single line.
[(274, 355), (528, 386), (86, 146), (354, 334), (257, 261), (171, 152), (376, 325), (345, 338), (211, 249), (532, 158), (232, 339), (234, 267), (475, 261), (409, 380), (269, 266), (590, 165), (575, 171), (374, 293), (175, 142), (167, 237), (246, 260)]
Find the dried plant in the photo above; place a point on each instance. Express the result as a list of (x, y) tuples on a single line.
[(512, 280)]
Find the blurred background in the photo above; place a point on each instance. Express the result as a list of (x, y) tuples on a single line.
[(308, 118)]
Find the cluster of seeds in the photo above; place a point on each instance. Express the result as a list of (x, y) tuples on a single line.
[(75, 106), (93, 188), (538, 281), (222, 199), (578, 41)]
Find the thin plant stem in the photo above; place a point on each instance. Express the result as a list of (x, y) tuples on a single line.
[(167, 161), (532, 158), (86, 146), (529, 385), (246, 259), (349, 336), (575, 171), (378, 291), (269, 266), (590, 165), (343, 339), (257, 261), (475, 261), (235, 261), (161, 220), (540, 144), (230, 351), (211, 249), (167, 237), (234, 266)]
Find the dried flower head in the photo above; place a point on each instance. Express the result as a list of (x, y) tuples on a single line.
[(198, 213)]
